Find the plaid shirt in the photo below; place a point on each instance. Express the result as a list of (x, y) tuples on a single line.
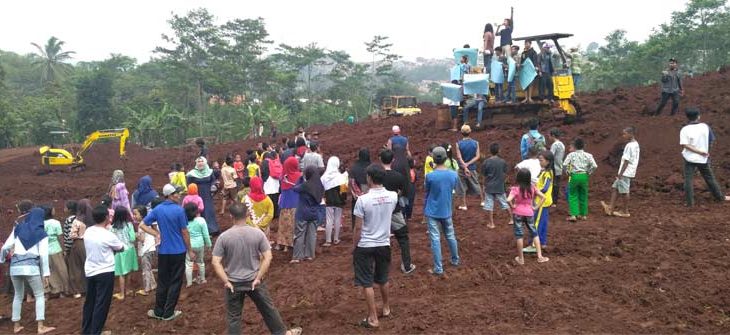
[(580, 161)]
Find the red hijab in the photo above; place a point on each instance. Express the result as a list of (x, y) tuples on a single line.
[(257, 189), (291, 173)]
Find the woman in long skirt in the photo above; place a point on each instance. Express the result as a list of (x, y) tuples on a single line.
[(287, 203), (202, 175), (77, 256)]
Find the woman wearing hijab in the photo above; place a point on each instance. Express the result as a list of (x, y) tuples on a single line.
[(28, 243), (260, 207), (193, 197), (335, 195), (202, 175), (144, 193), (310, 192), (118, 191), (288, 200), (359, 178), (400, 164), (77, 256)]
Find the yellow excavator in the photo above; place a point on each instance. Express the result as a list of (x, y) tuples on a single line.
[(51, 156)]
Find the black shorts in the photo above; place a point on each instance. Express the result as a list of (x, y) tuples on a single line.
[(371, 265)]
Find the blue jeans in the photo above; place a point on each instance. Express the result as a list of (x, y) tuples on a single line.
[(479, 105), (498, 92), (510, 92), (576, 81), (36, 284), (433, 232)]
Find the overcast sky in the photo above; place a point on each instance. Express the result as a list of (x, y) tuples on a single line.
[(430, 29)]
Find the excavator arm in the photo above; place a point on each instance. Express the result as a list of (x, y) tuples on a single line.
[(123, 134)]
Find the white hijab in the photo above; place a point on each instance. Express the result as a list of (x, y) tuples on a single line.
[(332, 176)]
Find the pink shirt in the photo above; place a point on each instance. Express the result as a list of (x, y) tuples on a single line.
[(523, 206), (196, 199)]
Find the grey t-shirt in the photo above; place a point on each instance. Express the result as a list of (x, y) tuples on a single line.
[(375, 208), (495, 170), (311, 158), (241, 248), (558, 150)]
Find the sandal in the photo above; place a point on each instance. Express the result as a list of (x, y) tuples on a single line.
[(607, 208), (366, 324), (463, 208), (518, 261), (327, 244), (385, 316), (294, 261), (543, 260), (118, 296), (336, 242), (491, 226), (296, 331), (621, 214), (142, 293), (571, 219)]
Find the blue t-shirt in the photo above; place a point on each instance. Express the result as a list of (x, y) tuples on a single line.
[(171, 220), (468, 149), (440, 185), (399, 140), (505, 36)]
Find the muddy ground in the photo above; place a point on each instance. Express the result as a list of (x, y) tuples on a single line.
[(664, 270)]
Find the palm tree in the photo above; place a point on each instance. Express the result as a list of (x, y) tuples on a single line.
[(51, 61)]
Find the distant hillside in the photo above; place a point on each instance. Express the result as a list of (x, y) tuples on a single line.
[(425, 69)]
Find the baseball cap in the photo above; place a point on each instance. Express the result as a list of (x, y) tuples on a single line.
[(439, 153), (396, 130), (169, 190), (466, 129)]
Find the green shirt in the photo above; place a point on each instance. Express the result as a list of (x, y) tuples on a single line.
[(53, 229), (199, 235), (452, 164)]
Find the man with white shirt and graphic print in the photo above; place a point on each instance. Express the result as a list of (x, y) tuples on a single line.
[(696, 139), (626, 173), (371, 257)]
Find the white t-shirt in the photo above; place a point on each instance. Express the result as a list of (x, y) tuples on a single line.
[(375, 208), (698, 136), (450, 102), (100, 245), (631, 155), (532, 164)]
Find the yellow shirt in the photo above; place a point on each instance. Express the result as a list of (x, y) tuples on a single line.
[(178, 179), (428, 165), (253, 170), (262, 210), (545, 178)]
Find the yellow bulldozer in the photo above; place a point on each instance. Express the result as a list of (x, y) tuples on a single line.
[(51, 156), (399, 105)]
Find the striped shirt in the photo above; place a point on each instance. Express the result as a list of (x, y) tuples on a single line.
[(580, 161)]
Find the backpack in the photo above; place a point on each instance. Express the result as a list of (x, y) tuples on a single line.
[(538, 143), (275, 168)]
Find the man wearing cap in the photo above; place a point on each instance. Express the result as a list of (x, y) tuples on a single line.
[(439, 186), (574, 59), (398, 139), (467, 154), (545, 71), (671, 87), (175, 242), (696, 140)]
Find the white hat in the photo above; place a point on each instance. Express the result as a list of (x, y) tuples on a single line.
[(169, 190), (396, 130)]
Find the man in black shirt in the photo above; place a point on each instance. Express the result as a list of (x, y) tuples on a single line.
[(396, 182)]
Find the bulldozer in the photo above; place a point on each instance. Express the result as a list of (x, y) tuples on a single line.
[(52, 156), (398, 105), (566, 105)]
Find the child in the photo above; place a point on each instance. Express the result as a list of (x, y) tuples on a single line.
[(193, 197), (177, 177), (579, 165), (259, 205), (199, 239), (230, 188), (58, 282), (106, 201), (495, 171), (498, 86), (626, 172), (125, 262), (245, 189), (558, 149), (70, 209), (252, 167), (428, 164), (521, 200), (545, 185), (100, 245), (240, 168), (147, 250), (531, 163)]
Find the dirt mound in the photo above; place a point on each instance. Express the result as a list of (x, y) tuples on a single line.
[(663, 270)]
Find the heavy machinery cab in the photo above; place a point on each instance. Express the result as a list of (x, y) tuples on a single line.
[(51, 156), (398, 105), (549, 37)]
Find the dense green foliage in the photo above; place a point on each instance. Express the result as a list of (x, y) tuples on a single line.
[(221, 80)]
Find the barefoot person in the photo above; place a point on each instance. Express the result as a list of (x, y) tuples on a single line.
[(626, 173), (27, 247), (371, 258), (241, 258), (100, 244), (495, 171), (696, 139), (467, 153)]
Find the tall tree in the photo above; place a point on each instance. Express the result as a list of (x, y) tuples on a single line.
[(52, 61), (94, 95)]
